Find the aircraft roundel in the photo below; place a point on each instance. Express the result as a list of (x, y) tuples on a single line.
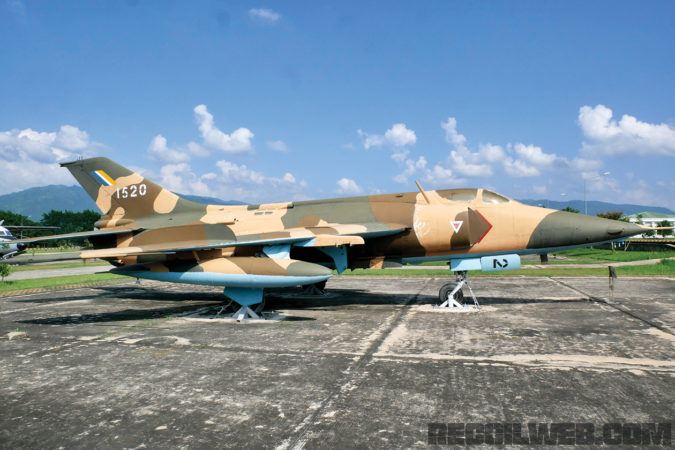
[(456, 225)]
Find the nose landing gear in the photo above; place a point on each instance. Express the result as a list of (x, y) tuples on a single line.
[(451, 296)]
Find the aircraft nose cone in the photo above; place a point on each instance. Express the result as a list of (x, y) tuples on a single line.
[(561, 228), (623, 229)]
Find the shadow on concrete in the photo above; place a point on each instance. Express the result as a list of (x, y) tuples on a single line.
[(287, 299), (113, 316)]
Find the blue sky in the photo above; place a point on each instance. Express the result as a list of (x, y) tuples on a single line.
[(344, 98)]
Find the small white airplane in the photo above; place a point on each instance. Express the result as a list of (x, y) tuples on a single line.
[(7, 249)]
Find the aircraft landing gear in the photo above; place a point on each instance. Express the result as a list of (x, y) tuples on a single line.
[(451, 295)]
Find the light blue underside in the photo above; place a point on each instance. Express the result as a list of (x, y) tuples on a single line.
[(527, 251), (229, 280)]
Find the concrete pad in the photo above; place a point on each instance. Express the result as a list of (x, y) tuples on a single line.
[(120, 366)]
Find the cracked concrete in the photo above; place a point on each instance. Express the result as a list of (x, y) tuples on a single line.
[(118, 366)]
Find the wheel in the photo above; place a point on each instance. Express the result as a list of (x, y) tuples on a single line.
[(445, 291)]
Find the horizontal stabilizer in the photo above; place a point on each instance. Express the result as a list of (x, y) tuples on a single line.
[(78, 235), (28, 258)]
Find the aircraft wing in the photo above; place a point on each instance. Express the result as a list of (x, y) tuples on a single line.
[(28, 227), (320, 236), (78, 235)]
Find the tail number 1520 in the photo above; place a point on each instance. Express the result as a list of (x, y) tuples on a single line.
[(135, 190)]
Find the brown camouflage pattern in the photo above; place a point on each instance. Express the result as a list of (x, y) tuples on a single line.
[(163, 230)]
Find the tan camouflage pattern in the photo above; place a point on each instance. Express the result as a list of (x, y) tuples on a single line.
[(159, 228), (237, 266)]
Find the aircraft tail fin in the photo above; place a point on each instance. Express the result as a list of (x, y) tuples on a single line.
[(124, 195)]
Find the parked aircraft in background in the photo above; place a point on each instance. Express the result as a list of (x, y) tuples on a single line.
[(8, 248), (149, 232)]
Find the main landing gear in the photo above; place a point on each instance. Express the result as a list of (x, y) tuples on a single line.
[(451, 296)]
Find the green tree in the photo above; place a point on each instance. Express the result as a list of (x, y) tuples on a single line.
[(613, 215), (5, 270), (664, 233), (647, 232), (11, 218), (570, 209), (70, 222)]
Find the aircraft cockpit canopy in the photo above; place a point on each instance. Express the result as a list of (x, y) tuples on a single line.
[(5, 234), (493, 198), (459, 195), (469, 195)]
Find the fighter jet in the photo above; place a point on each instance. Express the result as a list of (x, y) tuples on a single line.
[(149, 232), (9, 249)]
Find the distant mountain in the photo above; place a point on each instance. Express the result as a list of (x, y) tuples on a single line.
[(210, 200), (34, 202), (595, 207)]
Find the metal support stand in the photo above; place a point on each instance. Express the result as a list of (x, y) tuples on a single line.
[(451, 302), (245, 313), (314, 290)]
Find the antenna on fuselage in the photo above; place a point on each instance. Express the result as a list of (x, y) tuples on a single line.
[(424, 193)]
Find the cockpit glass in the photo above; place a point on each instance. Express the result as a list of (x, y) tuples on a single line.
[(492, 198), (4, 233), (460, 195)]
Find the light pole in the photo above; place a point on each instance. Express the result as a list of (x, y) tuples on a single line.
[(604, 174)]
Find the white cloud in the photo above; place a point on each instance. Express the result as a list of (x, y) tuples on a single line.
[(277, 146), (492, 153), (197, 150), (30, 158), (411, 167), (452, 136), (397, 136), (517, 160), (253, 185), (264, 15), (442, 176), (584, 165), (289, 178), (519, 168), (173, 176), (604, 135), (348, 186), (236, 142), (71, 138), (466, 163), (534, 155), (232, 182), (159, 149), (233, 173)]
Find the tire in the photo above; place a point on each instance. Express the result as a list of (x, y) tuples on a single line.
[(445, 291)]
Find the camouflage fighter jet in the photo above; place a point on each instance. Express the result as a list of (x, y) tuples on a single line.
[(149, 232)]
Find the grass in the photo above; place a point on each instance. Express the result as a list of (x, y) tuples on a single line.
[(65, 265), (38, 250), (76, 280), (594, 256), (664, 268), (590, 256)]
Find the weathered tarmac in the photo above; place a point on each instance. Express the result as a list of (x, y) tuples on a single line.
[(371, 365)]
